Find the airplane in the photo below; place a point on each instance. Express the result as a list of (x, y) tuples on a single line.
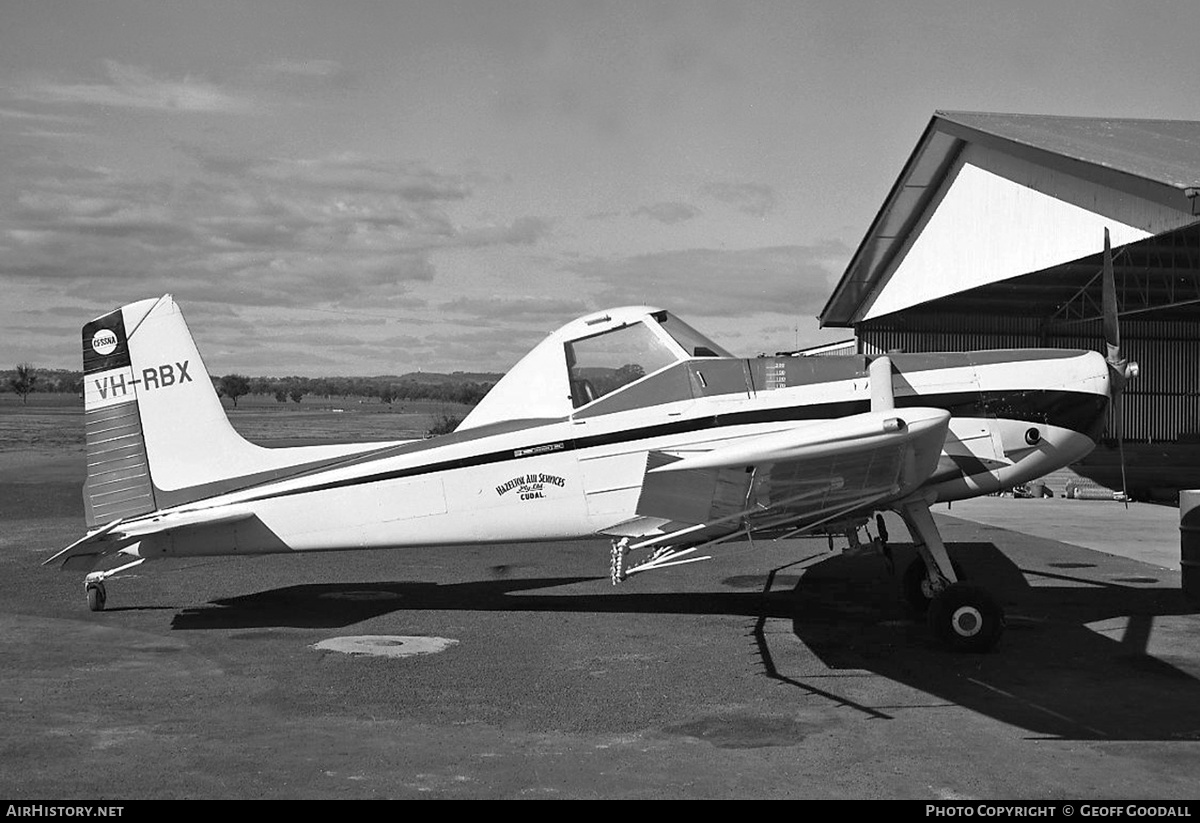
[(627, 424)]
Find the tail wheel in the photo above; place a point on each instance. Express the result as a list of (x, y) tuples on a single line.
[(916, 585), (96, 597), (966, 618)]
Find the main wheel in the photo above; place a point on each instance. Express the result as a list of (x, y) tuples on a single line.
[(96, 596), (915, 590), (966, 618)]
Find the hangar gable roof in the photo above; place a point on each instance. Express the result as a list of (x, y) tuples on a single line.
[(1162, 151), (1027, 192)]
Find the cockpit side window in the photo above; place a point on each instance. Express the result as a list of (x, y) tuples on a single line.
[(693, 342), (605, 362)]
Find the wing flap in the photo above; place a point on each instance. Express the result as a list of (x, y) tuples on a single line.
[(693, 495)]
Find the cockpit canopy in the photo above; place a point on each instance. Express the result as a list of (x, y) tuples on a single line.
[(606, 361), (589, 358)]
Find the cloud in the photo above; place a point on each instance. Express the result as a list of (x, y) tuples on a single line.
[(411, 182), (669, 213), (519, 309), (524, 231), (719, 283), (477, 349), (137, 88), (305, 77), (602, 215), (298, 279), (252, 231), (305, 68), (8, 113), (63, 215), (752, 198)]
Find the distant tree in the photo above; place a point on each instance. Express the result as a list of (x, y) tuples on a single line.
[(340, 386), (388, 394), (630, 372), (23, 381), (613, 380), (443, 423), (296, 392), (322, 387), (234, 386)]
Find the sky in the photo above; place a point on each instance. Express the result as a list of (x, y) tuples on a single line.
[(363, 188)]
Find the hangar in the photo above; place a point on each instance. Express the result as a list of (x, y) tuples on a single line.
[(992, 237)]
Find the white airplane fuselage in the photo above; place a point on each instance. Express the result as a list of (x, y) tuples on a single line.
[(1015, 416)]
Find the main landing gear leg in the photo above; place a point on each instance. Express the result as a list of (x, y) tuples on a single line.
[(962, 616)]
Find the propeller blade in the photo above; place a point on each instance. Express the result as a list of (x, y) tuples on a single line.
[(1112, 331), (1119, 369)]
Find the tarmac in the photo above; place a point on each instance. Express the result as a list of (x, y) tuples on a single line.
[(519, 671), (1141, 531)]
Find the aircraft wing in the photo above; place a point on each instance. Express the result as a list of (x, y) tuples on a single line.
[(797, 477)]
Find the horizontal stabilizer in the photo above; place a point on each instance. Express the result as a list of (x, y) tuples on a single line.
[(120, 534), (188, 518), (93, 545)]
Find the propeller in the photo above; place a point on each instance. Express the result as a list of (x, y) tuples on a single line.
[(1120, 369)]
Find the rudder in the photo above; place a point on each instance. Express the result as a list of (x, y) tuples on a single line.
[(118, 473)]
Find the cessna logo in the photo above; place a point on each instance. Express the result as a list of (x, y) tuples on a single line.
[(104, 342), (158, 377)]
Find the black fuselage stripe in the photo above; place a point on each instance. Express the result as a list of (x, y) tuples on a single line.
[(1082, 412)]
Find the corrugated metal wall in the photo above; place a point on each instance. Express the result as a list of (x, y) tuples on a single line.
[(1161, 405)]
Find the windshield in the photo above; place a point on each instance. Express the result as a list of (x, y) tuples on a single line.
[(608, 361), (693, 342)]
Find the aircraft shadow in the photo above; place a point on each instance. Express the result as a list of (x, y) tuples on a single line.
[(1051, 675)]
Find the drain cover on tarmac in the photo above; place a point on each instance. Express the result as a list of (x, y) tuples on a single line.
[(386, 645)]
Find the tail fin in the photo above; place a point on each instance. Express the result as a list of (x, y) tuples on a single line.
[(157, 435)]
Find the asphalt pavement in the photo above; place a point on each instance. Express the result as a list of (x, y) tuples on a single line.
[(519, 671)]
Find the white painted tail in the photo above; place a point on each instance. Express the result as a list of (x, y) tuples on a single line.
[(157, 435)]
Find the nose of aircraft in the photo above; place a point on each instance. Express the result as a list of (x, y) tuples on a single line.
[(1044, 413), (1072, 393), (1079, 395), (1097, 380)]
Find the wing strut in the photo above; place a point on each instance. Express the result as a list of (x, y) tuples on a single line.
[(664, 556), (879, 375)]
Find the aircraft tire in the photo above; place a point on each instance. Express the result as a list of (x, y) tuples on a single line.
[(914, 576), (966, 619), (96, 597)]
